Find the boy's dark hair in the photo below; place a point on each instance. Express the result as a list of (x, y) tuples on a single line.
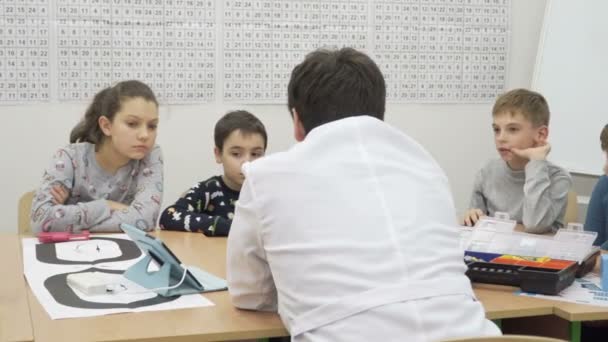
[(604, 139), (107, 102), (332, 85), (240, 120), (530, 104)]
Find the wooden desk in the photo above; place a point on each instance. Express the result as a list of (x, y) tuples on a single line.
[(500, 302), (15, 323), (579, 312), (224, 322), (219, 322)]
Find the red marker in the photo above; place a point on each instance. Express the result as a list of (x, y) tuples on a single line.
[(50, 237)]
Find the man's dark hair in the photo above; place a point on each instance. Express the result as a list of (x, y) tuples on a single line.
[(331, 85), (240, 120)]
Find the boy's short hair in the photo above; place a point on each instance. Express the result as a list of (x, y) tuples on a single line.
[(530, 104), (604, 139), (331, 85), (240, 120)]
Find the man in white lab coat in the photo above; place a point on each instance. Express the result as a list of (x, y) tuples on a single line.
[(351, 233)]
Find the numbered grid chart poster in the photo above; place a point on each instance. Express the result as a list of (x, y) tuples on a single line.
[(442, 50), (24, 51), (193, 51), (428, 50), (169, 44), (265, 39)]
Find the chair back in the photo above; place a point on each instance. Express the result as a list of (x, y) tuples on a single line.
[(571, 214), (25, 209)]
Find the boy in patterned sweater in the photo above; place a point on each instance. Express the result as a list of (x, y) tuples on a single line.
[(208, 206)]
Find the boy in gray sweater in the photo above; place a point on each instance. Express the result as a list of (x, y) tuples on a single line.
[(522, 183)]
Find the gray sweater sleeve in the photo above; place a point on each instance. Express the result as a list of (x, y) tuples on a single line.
[(478, 201), (545, 197), (47, 216), (143, 211)]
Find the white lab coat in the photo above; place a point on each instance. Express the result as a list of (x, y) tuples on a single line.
[(353, 232)]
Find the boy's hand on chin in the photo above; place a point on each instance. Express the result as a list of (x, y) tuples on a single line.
[(534, 153)]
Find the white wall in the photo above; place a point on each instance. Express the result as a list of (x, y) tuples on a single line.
[(459, 136), (571, 54)]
